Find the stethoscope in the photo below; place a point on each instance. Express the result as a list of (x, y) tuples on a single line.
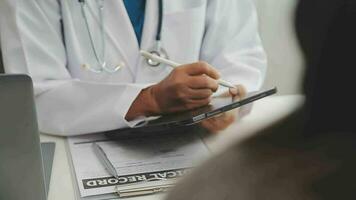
[(100, 57)]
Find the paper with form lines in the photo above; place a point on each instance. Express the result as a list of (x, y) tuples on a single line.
[(135, 159)]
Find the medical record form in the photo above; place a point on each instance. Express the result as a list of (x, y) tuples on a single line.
[(164, 156)]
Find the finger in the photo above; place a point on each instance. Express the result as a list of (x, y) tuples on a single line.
[(239, 91), (229, 117), (234, 91), (208, 125), (203, 82), (197, 94), (194, 94), (200, 68), (223, 117), (214, 126), (223, 121), (196, 103)]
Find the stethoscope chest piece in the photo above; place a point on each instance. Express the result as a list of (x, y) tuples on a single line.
[(158, 50), (161, 53)]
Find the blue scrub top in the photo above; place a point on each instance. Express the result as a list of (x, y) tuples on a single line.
[(136, 11)]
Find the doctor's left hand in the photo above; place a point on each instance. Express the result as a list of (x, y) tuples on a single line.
[(224, 120)]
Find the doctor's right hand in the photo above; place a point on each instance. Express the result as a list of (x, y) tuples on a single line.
[(186, 87)]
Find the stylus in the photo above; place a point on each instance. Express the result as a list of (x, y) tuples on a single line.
[(174, 64)]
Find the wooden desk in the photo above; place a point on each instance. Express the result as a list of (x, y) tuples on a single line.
[(264, 112)]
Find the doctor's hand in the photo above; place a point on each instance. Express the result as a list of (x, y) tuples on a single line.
[(224, 120), (186, 87)]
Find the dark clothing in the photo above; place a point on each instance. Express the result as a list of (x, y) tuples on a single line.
[(327, 34), (136, 11)]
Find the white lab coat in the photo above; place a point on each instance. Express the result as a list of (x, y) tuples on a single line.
[(71, 100)]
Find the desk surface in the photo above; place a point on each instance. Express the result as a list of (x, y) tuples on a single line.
[(264, 112)]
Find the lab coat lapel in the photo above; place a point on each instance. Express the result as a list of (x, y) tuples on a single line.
[(120, 30), (150, 25)]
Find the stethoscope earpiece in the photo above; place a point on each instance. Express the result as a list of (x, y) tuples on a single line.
[(89, 68), (103, 68)]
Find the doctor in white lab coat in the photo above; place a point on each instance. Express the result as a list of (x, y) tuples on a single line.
[(48, 40)]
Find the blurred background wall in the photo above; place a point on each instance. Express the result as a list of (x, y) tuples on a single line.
[(285, 63)]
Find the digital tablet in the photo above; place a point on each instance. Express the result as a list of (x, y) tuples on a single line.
[(217, 106)]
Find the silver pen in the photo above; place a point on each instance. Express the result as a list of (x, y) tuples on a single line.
[(135, 191), (105, 160)]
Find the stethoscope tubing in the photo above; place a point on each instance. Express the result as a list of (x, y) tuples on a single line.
[(160, 20), (96, 54), (158, 50)]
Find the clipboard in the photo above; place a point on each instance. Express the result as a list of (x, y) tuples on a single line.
[(159, 180), (150, 188)]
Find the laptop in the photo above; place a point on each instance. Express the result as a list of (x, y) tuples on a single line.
[(25, 163)]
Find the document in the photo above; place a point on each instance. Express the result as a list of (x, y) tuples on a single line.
[(167, 156)]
